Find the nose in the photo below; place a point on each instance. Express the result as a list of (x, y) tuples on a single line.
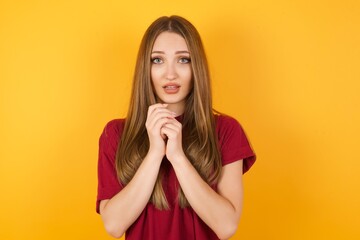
[(171, 72)]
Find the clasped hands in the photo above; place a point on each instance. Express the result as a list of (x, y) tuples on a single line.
[(164, 132)]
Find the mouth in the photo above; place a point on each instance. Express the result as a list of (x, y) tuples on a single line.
[(171, 88)]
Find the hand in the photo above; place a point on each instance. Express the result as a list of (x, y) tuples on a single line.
[(173, 131), (157, 117)]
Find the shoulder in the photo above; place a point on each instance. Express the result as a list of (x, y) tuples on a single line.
[(222, 118), (112, 131), (226, 124), (233, 142), (114, 126)]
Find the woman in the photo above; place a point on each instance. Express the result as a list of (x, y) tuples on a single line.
[(173, 168)]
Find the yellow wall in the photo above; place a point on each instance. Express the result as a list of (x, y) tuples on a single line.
[(287, 70)]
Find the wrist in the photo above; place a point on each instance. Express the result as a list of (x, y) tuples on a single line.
[(178, 159), (155, 154)]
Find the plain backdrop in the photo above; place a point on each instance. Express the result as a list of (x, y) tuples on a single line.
[(288, 71)]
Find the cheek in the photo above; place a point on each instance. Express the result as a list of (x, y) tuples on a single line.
[(185, 72), (155, 76), (190, 85), (152, 74), (189, 78)]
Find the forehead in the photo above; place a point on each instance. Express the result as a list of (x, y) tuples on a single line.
[(169, 41)]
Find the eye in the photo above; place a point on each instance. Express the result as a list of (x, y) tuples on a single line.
[(156, 60), (184, 60)]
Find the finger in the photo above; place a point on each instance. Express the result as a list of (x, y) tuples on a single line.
[(170, 133), (152, 108), (163, 136), (175, 123), (163, 116), (158, 125), (172, 126), (159, 113), (162, 110)]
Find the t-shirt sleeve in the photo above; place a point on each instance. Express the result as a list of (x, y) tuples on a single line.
[(108, 184), (234, 145)]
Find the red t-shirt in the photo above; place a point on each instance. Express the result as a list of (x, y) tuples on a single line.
[(177, 223)]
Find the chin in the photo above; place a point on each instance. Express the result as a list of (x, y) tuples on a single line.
[(171, 99)]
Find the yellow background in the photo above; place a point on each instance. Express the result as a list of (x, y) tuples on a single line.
[(287, 70)]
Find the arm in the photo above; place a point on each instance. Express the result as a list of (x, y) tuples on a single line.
[(119, 212), (219, 210)]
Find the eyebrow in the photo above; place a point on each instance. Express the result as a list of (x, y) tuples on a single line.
[(177, 52)]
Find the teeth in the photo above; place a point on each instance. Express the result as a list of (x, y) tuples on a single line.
[(170, 87)]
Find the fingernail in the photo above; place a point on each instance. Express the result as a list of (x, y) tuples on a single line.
[(173, 113)]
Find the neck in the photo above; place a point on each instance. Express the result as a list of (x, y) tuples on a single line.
[(176, 108)]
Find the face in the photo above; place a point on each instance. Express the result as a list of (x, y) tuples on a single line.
[(171, 70)]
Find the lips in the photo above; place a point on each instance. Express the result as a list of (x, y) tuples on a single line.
[(171, 88)]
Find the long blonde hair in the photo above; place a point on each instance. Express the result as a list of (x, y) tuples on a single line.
[(199, 135)]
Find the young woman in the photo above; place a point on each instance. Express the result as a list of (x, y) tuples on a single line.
[(173, 168)]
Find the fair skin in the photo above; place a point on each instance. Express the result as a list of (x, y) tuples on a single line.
[(171, 71), (172, 81)]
